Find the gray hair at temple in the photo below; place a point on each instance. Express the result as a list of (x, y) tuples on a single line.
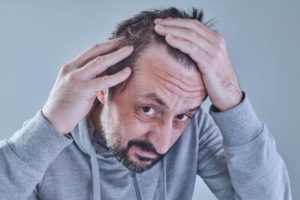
[(139, 32)]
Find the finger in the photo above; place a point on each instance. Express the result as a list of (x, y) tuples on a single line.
[(101, 63), (195, 25), (186, 34), (199, 55), (105, 82), (94, 51)]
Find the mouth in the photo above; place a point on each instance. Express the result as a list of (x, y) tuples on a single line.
[(142, 155), (139, 156)]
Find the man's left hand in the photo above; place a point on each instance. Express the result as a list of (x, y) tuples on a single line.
[(207, 48)]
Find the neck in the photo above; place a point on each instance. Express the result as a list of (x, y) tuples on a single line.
[(95, 117)]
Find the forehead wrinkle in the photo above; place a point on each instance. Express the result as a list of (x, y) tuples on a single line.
[(170, 89), (187, 99), (188, 91), (176, 76), (155, 97), (161, 66), (175, 103)]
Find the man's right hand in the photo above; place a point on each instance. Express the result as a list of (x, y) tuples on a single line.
[(77, 84)]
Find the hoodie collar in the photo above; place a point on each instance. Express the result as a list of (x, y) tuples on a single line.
[(89, 142)]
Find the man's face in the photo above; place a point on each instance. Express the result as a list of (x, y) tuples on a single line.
[(142, 122)]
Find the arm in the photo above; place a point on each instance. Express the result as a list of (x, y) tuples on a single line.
[(244, 163), (24, 157)]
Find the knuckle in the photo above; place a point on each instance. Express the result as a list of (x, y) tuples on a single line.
[(208, 59), (102, 60), (65, 69), (105, 81), (194, 47), (195, 22), (73, 77), (99, 59), (108, 43), (218, 54), (220, 40), (193, 34), (95, 46)]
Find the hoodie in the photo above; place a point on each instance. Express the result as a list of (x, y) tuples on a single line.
[(232, 151)]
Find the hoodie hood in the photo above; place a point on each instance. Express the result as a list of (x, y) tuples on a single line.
[(144, 184), (82, 137)]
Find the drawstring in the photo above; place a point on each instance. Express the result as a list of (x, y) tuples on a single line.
[(164, 178), (82, 139), (96, 178), (136, 186)]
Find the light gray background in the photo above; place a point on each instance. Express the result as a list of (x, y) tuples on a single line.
[(37, 37)]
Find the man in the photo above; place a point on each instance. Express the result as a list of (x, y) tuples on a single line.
[(123, 121)]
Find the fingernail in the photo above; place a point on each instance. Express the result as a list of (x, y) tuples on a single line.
[(159, 26), (169, 37), (157, 21), (119, 38), (127, 70), (127, 48)]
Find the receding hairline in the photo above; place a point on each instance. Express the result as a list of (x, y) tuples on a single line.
[(139, 32), (153, 44)]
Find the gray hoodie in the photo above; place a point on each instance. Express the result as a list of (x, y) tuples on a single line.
[(232, 151)]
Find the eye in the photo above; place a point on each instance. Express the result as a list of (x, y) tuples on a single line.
[(147, 110), (182, 117)]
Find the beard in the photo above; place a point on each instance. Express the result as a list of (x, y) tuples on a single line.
[(143, 163), (112, 134)]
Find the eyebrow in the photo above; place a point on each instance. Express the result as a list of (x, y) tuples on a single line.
[(194, 109), (158, 100)]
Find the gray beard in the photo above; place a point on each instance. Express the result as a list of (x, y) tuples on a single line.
[(122, 156), (121, 153)]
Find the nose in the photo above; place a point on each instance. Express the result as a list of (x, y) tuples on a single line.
[(162, 137)]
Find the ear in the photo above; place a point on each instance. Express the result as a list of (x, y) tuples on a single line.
[(102, 96)]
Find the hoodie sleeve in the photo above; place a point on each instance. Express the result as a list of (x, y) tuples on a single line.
[(238, 157), (25, 157)]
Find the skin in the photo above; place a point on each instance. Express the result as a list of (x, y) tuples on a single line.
[(208, 50), (79, 83), (136, 114)]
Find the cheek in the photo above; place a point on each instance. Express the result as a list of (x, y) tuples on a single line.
[(133, 128), (178, 132), (138, 129), (176, 136)]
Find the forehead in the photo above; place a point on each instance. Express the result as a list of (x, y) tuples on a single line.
[(159, 73)]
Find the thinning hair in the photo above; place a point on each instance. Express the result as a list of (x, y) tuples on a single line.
[(138, 31)]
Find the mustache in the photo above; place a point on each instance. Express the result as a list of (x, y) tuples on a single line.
[(145, 145)]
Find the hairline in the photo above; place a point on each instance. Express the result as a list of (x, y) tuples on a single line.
[(122, 86)]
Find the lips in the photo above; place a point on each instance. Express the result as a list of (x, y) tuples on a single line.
[(143, 154)]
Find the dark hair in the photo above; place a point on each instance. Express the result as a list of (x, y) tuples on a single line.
[(139, 32)]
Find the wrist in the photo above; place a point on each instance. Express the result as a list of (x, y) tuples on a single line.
[(54, 122), (229, 104)]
